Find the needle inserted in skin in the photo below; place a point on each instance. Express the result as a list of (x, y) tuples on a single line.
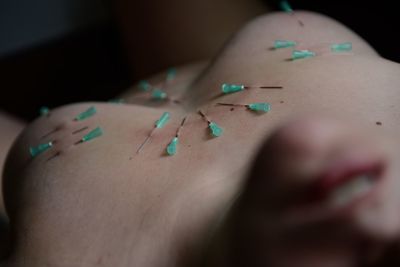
[(145, 141), (258, 107), (215, 129), (231, 105), (80, 130), (44, 111), (171, 74), (91, 135), (34, 151), (172, 146), (263, 87), (58, 153), (227, 88), (50, 133), (279, 44), (158, 125), (158, 92), (285, 6), (86, 114), (180, 127), (160, 95), (204, 116), (145, 86)]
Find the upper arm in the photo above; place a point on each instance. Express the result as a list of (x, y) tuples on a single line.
[(10, 128)]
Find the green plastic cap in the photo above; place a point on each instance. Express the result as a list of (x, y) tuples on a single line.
[(86, 114), (216, 131), (171, 148), (34, 151), (285, 6), (158, 94), (163, 120), (260, 107), (231, 88), (284, 44), (44, 111), (171, 74), (299, 54), (93, 134), (144, 85), (342, 47)]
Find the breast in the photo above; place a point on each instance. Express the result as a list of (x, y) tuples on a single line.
[(100, 195)]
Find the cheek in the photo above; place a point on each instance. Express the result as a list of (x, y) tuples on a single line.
[(380, 217)]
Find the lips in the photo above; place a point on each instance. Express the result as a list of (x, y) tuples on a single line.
[(336, 191), (347, 181)]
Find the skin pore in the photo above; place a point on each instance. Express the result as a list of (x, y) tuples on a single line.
[(225, 201)]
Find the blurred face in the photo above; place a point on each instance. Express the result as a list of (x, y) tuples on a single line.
[(321, 194)]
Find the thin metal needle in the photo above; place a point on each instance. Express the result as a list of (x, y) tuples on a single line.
[(50, 133), (264, 87), (231, 105), (181, 126), (204, 116), (145, 141), (80, 130)]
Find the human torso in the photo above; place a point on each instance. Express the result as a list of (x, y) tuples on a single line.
[(101, 202)]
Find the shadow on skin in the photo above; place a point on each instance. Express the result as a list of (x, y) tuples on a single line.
[(4, 236)]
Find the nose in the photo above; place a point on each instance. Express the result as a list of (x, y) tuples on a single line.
[(296, 149), (294, 155)]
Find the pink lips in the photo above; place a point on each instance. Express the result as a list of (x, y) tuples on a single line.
[(312, 205), (343, 172)]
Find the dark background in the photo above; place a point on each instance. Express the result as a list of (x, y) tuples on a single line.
[(90, 64)]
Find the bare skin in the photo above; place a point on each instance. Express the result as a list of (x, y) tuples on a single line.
[(10, 128), (101, 204), (183, 31)]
